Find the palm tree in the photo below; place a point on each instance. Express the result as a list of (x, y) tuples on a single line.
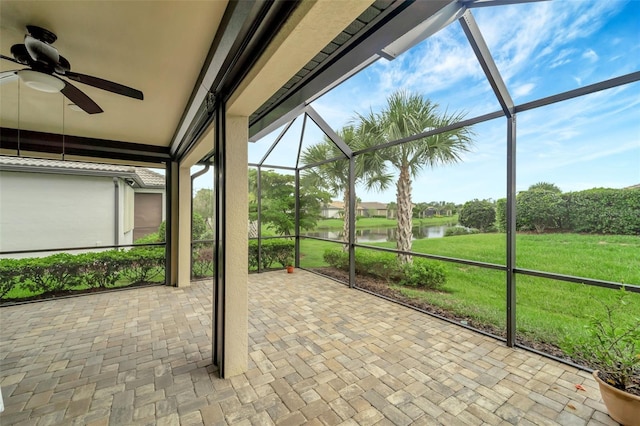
[(334, 176), (406, 115)]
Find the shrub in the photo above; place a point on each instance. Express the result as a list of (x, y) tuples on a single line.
[(103, 269), (378, 264), (501, 214), (422, 273), (459, 230), (10, 275), (273, 251), (478, 214), (337, 258), (203, 258), (52, 273), (145, 263), (539, 209), (610, 345), (604, 211), (594, 211), (546, 186), (149, 239), (63, 271)]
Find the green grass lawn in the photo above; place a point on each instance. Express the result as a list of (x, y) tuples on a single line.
[(547, 310), (380, 222)]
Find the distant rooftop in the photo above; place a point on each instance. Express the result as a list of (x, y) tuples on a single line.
[(145, 178), (372, 205)]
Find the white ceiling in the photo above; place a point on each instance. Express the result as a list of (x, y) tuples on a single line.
[(158, 47)]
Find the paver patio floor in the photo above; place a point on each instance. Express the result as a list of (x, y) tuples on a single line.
[(320, 353)]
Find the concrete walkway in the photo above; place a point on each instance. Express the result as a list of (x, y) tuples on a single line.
[(320, 353)]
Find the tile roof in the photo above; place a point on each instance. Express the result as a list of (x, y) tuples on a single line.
[(145, 178), (63, 165), (150, 178)]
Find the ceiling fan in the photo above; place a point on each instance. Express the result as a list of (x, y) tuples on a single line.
[(46, 64)]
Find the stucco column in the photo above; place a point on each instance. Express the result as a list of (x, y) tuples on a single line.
[(184, 226), (236, 310)]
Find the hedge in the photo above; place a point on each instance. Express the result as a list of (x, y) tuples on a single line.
[(604, 211), (593, 211), (273, 251), (63, 271), (421, 273)]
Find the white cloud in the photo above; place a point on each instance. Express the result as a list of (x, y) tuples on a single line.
[(562, 58), (591, 55), (523, 89), (528, 35)]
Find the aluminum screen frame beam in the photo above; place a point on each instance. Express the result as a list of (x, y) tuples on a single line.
[(479, 46), (324, 126), (511, 232), (273, 145)]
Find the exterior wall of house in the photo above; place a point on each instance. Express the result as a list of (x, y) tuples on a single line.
[(41, 211), (331, 213)]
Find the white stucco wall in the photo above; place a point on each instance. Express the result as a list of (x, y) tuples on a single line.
[(40, 210)]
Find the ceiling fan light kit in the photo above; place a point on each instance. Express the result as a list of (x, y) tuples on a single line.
[(45, 64), (41, 81)]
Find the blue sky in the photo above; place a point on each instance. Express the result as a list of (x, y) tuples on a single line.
[(540, 49)]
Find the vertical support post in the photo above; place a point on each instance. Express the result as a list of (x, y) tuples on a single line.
[(183, 226), (352, 221), (259, 184), (236, 274), (511, 231), (167, 207), (297, 219), (171, 230), (219, 252)]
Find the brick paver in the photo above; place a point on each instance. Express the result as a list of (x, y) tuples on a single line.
[(319, 353)]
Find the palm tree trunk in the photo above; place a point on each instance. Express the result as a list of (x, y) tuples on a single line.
[(405, 213)]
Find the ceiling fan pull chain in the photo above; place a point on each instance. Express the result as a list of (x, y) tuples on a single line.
[(18, 118), (63, 122)]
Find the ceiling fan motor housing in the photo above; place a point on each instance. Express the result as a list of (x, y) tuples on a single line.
[(41, 52)]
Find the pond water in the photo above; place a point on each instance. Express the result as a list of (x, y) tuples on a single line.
[(378, 235)]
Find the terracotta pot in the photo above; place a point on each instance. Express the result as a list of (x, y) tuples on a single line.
[(622, 406), (290, 269)]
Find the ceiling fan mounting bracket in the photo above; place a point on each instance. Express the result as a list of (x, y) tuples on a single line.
[(42, 34)]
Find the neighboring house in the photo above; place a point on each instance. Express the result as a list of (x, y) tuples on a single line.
[(371, 209), (333, 210), (633, 186), (51, 204)]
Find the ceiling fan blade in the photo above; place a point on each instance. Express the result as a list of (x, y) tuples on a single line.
[(9, 59), (107, 85), (6, 76), (79, 98)]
